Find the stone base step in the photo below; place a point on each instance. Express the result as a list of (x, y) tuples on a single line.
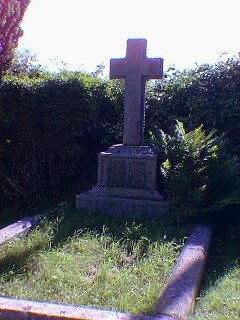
[(96, 201)]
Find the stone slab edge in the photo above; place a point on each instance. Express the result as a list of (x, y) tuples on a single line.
[(12, 309), (179, 297), (17, 229)]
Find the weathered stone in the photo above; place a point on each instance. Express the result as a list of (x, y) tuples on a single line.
[(135, 68), (16, 229), (14, 309), (98, 200), (179, 297), (127, 173), (128, 167)]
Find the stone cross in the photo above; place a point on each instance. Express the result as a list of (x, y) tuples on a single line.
[(135, 68)]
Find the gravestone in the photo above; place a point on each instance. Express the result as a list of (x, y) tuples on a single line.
[(127, 173)]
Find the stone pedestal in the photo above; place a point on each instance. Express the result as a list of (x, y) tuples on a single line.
[(126, 184)]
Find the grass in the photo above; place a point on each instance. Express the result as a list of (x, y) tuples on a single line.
[(116, 264), (220, 294), (222, 299), (91, 260)]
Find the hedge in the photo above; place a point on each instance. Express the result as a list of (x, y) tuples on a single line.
[(51, 131), (208, 95), (52, 126)]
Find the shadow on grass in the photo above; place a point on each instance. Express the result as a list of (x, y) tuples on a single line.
[(18, 260), (120, 229), (224, 252), (225, 249), (69, 222)]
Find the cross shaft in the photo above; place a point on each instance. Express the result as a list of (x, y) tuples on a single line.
[(135, 68)]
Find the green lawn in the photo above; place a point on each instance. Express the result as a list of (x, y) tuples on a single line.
[(220, 295), (91, 260), (116, 264)]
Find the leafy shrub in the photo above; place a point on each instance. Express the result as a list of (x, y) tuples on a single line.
[(207, 94), (51, 130), (199, 175), (53, 125)]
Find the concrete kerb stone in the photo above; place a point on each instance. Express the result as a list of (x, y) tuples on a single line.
[(179, 297), (12, 309), (17, 229), (176, 302)]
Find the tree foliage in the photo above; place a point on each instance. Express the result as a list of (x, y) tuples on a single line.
[(25, 63), (11, 15)]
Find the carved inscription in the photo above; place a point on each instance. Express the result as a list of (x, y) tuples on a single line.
[(116, 173), (127, 173), (137, 175)]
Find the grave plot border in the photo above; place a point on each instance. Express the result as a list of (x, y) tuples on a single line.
[(176, 302)]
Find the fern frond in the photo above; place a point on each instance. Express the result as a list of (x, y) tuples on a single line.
[(198, 173)]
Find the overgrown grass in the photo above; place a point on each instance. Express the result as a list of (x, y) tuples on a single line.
[(220, 295), (92, 260), (221, 301)]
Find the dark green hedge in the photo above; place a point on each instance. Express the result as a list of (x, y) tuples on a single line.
[(51, 131), (208, 95), (53, 126)]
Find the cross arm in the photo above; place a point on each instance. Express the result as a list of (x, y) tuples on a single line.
[(153, 68), (118, 68)]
